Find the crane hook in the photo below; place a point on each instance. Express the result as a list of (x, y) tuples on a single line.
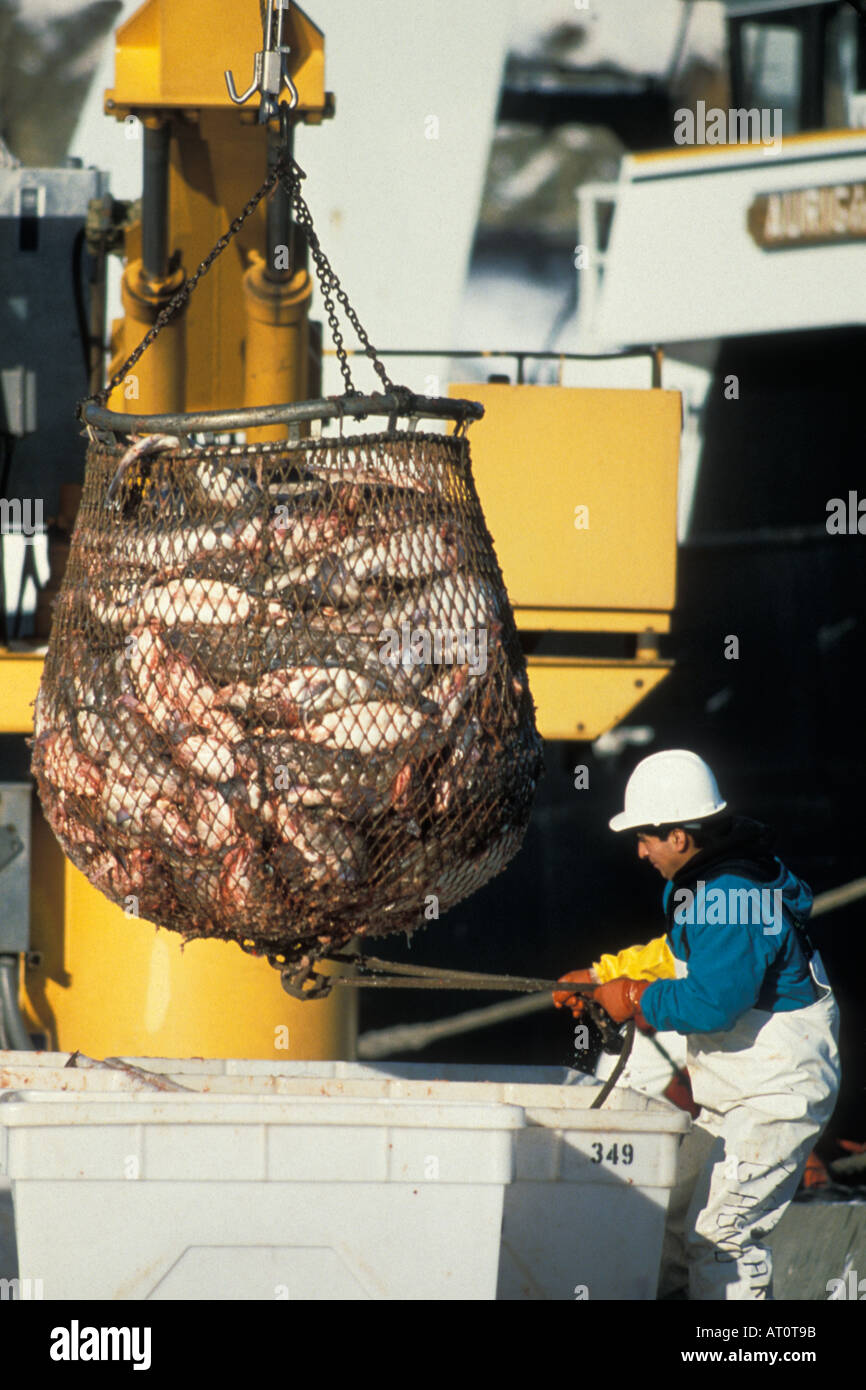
[(254, 86), (269, 71)]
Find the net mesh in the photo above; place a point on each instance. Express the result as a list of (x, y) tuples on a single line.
[(284, 702)]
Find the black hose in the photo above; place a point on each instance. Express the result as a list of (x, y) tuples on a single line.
[(15, 1035), (78, 295), (618, 1069)]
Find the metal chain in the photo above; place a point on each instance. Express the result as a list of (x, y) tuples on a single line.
[(290, 173), (178, 300), (329, 281)]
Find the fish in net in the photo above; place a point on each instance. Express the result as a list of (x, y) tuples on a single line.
[(284, 701)]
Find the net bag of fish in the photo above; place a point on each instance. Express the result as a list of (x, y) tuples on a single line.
[(284, 701)]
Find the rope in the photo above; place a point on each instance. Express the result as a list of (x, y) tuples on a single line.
[(839, 897), (618, 1069), (414, 1037)]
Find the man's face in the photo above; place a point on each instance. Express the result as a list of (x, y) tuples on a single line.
[(668, 856)]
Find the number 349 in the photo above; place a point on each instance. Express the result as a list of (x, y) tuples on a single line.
[(617, 1153)]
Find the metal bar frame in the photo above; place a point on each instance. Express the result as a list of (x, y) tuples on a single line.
[(329, 408)]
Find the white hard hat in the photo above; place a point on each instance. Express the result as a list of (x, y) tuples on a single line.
[(669, 788)]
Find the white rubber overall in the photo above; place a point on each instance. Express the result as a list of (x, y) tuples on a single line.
[(769, 1085)]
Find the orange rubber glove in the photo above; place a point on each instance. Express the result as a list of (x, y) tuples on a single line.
[(815, 1173), (679, 1091), (562, 998), (621, 999)]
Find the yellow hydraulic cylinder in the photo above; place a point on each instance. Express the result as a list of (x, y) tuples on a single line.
[(277, 344), (156, 381), (98, 979), (110, 984)]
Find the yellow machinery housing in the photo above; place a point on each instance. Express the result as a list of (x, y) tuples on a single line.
[(579, 489)]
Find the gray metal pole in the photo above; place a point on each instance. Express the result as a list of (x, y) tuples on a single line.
[(280, 231), (154, 203)]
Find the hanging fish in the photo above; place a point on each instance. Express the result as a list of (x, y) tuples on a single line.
[(141, 447)]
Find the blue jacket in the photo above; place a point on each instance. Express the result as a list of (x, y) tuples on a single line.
[(743, 952)]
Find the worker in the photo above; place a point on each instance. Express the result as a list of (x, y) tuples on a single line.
[(737, 975)]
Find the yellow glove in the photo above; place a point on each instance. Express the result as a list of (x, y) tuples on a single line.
[(654, 961)]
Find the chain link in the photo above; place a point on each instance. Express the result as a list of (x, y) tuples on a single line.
[(178, 300), (328, 281), (289, 172)]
